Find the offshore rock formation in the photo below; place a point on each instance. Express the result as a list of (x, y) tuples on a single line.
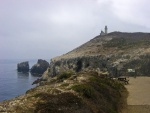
[(114, 53), (40, 67), (23, 67)]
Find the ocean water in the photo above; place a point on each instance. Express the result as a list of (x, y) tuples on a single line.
[(12, 83)]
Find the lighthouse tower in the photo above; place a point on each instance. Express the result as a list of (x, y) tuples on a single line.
[(106, 30)]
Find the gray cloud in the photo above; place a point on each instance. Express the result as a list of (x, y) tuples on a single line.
[(47, 28)]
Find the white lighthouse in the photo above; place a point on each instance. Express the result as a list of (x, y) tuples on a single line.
[(106, 30)]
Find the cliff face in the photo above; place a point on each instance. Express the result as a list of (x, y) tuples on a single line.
[(98, 63), (114, 53)]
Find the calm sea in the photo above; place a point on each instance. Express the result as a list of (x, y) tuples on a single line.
[(12, 83)]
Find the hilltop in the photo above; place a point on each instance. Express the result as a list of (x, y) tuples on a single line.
[(112, 43), (114, 53)]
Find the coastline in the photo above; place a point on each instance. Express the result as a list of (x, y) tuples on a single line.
[(62, 94)]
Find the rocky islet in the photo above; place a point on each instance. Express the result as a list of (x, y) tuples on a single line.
[(38, 68), (23, 66)]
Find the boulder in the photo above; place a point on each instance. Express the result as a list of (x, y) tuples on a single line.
[(23, 67), (40, 67)]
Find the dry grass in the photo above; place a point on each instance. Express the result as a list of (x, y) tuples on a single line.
[(91, 95)]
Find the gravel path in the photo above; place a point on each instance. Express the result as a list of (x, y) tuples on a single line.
[(139, 95)]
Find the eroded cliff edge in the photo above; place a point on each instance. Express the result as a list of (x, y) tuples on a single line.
[(113, 53)]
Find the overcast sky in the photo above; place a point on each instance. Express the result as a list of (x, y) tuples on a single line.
[(32, 29)]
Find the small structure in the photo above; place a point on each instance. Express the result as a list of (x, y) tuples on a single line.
[(104, 33), (131, 72), (106, 29), (123, 79)]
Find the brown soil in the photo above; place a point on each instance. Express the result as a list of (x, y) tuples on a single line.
[(139, 95)]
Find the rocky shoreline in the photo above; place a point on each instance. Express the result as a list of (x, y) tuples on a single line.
[(72, 93)]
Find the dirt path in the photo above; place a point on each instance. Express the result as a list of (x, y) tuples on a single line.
[(139, 95)]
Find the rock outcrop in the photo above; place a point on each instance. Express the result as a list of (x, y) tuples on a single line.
[(40, 67), (23, 67), (98, 63)]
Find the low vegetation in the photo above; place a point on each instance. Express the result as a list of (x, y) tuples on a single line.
[(84, 90), (61, 103), (102, 95), (88, 93), (123, 43), (64, 75)]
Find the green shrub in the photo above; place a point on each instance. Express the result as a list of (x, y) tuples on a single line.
[(109, 92), (64, 75), (61, 103), (84, 90)]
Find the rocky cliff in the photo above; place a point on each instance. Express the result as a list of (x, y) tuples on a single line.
[(114, 53)]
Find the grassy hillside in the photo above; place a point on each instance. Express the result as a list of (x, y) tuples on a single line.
[(112, 43), (120, 52), (84, 92)]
